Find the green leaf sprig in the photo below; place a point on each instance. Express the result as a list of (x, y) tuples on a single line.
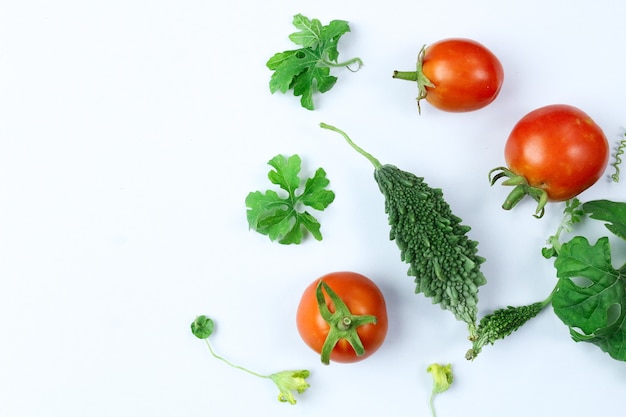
[(282, 218), (343, 325), (288, 382), (307, 69), (590, 294)]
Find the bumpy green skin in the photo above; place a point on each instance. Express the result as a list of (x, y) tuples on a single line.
[(502, 323), (433, 242)]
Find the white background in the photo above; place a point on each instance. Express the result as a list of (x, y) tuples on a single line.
[(130, 135)]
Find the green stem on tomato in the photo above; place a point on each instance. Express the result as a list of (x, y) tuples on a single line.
[(343, 324), (521, 188), (406, 75), (417, 76)]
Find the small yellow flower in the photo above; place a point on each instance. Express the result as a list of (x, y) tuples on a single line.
[(442, 376), (289, 381), (442, 379)]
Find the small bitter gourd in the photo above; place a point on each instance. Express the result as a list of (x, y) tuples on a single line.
[(432, 240), (501, 323)]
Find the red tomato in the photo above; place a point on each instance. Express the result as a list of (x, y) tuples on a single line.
[(553, 153), (559, 149), (457, 75), (361, 297)]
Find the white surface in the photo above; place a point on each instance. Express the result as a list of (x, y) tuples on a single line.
[(130, 134)]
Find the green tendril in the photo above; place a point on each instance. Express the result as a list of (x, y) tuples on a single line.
[(618, 159)]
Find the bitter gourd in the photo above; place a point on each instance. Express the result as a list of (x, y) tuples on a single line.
[(501, 323), (432, 240)]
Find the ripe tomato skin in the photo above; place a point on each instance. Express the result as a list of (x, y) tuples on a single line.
[(466, 75), (559, 149), (362, 297)]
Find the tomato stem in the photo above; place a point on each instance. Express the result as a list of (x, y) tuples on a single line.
[(405, 75), (521, 188), (343, 324), (418, 76)]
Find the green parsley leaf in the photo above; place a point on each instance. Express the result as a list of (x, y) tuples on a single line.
[(281, 217), (307, 69), (591, 295)]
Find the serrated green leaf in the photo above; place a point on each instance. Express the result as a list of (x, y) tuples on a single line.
[(335, 29), (279, 217), (333, 32), (315, 194), (307, 70), (283, 76), (293, 236), (310, 31), (318, 76), (588, 307), (282, 226), (259, 205), (287, 67), (285, 172), (278, 58), (610, 211), (311, 224)]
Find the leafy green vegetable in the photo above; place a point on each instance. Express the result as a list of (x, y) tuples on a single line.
[(281, 217), (591, 295), (431, 239), (286, 381), (307, 69)]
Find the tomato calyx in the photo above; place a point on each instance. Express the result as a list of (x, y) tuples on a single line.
[(417, 76), (521, 188), (343, 324)]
